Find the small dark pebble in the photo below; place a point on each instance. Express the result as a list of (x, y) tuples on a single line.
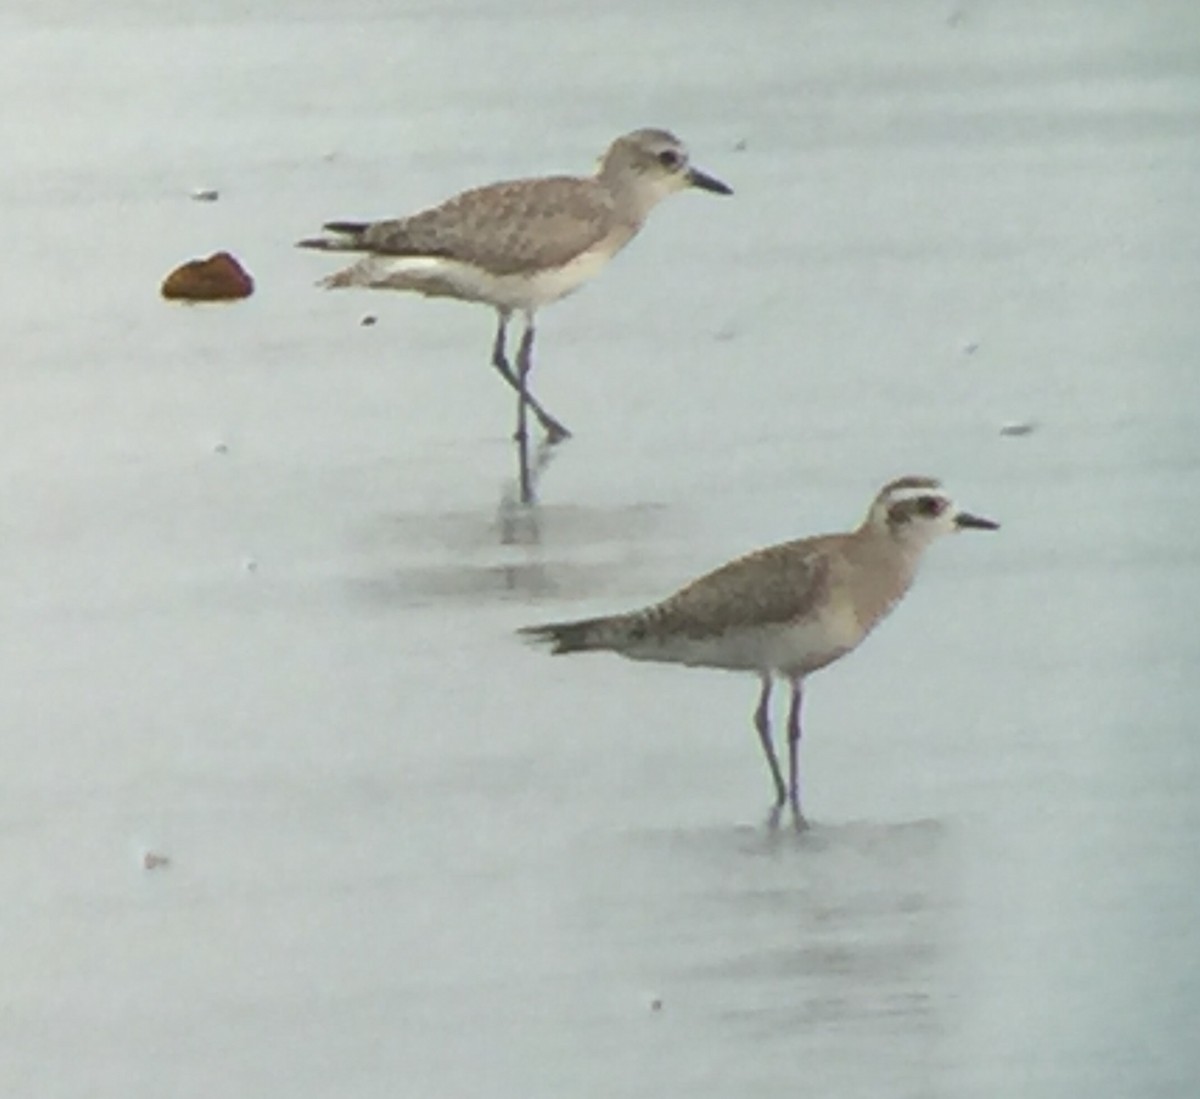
[(368, 320)]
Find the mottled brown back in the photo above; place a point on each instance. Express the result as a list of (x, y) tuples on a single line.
[(776, 585), (506, 228)]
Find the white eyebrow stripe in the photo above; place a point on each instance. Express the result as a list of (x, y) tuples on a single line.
[(902, 494)]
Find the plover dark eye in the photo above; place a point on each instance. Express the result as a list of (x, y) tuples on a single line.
[(669, 158), (930, 505)]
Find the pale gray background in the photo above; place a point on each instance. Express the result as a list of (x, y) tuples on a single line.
[(413, 857)]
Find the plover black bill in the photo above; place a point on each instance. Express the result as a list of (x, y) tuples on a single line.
[(787, 610), (520, 245)]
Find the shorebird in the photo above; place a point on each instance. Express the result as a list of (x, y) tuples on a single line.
[(522, 244), (787, 610)]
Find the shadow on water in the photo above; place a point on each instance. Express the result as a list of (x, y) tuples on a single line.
[(518, 519), (857, 910), (518, 552), (832, 938), (817, 841)]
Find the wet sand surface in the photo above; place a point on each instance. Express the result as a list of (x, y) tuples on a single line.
[(261, 567)]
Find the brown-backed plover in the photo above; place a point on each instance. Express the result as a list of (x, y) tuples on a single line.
[(522, 244), (788, 610)]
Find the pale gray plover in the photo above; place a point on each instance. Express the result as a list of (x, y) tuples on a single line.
[(521, 244), (787, 610)]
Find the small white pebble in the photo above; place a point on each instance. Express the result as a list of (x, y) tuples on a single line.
[(1018, 428), (206, 194)]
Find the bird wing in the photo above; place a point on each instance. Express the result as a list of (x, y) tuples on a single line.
[(773, 586), (506, 228)]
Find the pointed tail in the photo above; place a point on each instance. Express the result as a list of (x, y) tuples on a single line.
[(347, 238), (613, 632)]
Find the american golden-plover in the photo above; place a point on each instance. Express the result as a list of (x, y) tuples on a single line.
[(519, 245), (787, 610)]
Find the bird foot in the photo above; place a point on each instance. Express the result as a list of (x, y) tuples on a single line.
[(799, 821)]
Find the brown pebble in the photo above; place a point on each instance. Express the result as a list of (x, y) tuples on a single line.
[(218, 278), (152, 860)]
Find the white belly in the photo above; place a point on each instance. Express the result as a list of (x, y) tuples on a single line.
[(440, 277), (794, 649)]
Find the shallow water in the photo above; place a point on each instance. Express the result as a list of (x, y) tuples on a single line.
[(261, 566)]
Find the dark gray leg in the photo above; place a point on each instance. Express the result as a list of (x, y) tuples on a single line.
[(522, 436), (499, 355), (794, 753), (555, 431), (762, 722)]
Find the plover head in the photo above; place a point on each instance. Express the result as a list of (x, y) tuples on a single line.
[(656, 164), (916, 510)]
